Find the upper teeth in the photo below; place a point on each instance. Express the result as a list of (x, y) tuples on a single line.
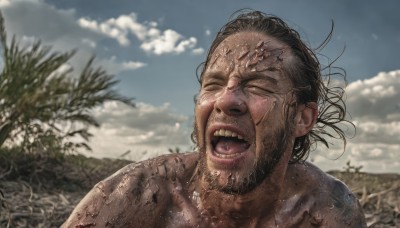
[(227, 133)]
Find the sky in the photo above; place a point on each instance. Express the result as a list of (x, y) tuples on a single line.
[(154, 47)]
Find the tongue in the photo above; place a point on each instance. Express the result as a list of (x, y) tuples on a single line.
[(230, 146)]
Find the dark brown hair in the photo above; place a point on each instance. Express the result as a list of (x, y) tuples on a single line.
[(306, 74)]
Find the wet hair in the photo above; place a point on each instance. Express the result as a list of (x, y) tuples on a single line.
[(311, 81)]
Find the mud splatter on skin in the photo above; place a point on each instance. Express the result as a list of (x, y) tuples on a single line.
[(245, 73), (182, 211), (262, 57), (259, 58), (138, 190)]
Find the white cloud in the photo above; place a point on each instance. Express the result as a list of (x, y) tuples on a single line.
[(378, 132), (374, 105), (208, 32), (130, 65), (5, 3), (375, 98), (109, 28), (198, 51), (377, 158), (53, 26), (87, 23), (114, 67), (168, 42), (152, 39), (146, 131), (59, 28), (89, 42)]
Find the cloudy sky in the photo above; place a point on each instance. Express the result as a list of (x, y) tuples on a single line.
[(153, 48)]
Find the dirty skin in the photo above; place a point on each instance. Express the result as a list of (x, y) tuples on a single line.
[(173, 191), (259, 58), (178, 202)]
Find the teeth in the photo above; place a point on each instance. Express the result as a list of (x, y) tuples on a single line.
[(226, 155), (227, 133)]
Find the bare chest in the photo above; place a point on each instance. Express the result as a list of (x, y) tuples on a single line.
[(193, 217)]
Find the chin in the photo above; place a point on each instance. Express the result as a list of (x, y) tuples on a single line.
[(234, 178), (240, 175)]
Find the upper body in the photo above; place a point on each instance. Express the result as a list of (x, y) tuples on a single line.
[(262, 104), (165, 192)]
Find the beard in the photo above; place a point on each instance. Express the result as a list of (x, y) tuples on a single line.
[(262, 168)]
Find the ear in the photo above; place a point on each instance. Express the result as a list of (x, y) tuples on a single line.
[(305, 118)]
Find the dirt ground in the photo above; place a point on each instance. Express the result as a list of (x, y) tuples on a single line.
[(47, 198)]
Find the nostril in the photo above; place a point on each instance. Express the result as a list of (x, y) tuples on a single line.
[(236, 111)]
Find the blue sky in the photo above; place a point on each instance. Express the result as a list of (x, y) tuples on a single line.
[(154, 47)]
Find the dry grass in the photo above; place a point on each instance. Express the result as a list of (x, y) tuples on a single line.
[(379, 194)]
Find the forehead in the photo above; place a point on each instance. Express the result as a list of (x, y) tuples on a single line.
[(249, 51), (250, 38)]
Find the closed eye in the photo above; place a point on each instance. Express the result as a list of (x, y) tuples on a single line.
[(213, 81), (259, 90), (212, 86)]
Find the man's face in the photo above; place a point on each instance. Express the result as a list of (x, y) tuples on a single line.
[(243, 114)]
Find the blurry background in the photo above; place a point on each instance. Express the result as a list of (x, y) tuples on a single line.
[(154, 47)]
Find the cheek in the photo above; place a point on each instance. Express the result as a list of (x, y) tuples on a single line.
[(262, 109), (204, 106), (205, 101)]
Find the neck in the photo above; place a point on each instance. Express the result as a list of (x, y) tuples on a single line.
[(251, 205)]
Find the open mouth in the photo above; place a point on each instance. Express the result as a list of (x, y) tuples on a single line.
[(228, 144)]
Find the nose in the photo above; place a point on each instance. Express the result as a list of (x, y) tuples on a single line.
[(231, 102)]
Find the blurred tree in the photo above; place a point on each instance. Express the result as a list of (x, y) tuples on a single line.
[(43, 107)]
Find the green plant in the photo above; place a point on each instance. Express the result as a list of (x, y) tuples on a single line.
[(42, 107)]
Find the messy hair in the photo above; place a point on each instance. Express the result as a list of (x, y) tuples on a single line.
[(310, 80)]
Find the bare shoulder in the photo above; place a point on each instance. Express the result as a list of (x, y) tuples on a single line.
[(331, 202), (136, 195)]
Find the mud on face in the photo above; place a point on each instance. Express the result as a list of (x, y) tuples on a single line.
[(244, 71)]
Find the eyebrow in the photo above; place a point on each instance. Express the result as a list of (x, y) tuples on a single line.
[(258, 75), (218, 75)]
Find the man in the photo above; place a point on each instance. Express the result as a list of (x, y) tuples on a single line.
[(256, 118)]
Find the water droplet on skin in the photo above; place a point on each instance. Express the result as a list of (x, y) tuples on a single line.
[(178, 188), (196, 197), (231, 178), (216, 173)]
